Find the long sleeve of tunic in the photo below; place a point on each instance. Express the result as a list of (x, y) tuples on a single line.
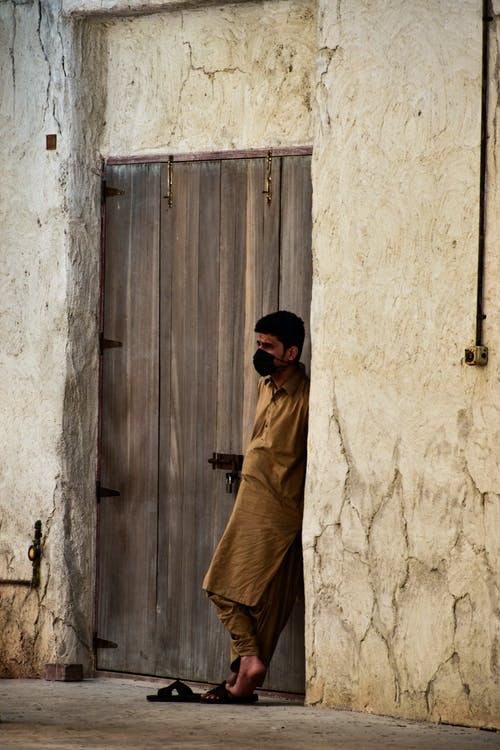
[(267, 514)]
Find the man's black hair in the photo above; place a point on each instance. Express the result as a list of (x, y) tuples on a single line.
[(286, 326)]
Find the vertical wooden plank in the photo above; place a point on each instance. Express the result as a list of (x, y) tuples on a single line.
[(221, 269), (189, 351), (127, 559), (233, 237), (230, 337), (262, 270), (296, 234), (288, 666)]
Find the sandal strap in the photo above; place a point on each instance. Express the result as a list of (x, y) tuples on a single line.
[(178, 686)]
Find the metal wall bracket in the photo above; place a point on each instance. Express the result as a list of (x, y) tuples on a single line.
[(35, 553), (476, 355)]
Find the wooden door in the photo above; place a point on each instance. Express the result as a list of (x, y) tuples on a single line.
[(128, 519), (181, 387)]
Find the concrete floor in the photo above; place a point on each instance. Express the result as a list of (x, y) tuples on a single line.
[(113, 713)]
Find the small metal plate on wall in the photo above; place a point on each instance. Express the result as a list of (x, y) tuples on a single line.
[(476, 355)]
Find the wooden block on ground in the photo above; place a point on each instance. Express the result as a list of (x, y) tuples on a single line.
[(64, 672)]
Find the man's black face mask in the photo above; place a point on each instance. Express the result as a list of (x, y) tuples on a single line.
[(263, 362)]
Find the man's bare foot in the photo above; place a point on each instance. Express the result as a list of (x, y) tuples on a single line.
[(232, 679), (212, 695), (250, 676)]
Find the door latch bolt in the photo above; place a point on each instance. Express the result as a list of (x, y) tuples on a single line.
[(231, 479)]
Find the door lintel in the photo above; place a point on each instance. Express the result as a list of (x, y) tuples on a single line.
[(208, 155)]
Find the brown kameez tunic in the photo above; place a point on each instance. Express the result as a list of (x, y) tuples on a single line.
[(267, 514)]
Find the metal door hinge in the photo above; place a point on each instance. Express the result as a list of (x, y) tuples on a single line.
[(108, 343), (105, 492), (110, 192), (103, 643)]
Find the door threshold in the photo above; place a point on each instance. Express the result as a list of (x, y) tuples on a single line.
[(290, 697)]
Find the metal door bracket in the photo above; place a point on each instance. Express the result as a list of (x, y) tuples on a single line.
[(103, 643), (111, 192), (268, 191), (109, 343), (170, 190), (105, 491)]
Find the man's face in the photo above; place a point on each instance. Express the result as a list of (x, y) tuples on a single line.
[(273, 346)]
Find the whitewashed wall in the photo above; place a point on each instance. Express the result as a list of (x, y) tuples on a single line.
[(233, 77), (211, 78), (48, 334), (402, 509)]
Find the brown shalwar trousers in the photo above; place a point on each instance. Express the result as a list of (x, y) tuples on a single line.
[(255, 630)]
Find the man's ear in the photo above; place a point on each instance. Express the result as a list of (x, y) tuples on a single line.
[(291, 353)]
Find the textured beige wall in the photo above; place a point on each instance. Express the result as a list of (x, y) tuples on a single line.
[(233, 77), (402, 510), (32, 324), (49, 218), (97, 8), (191, 80)]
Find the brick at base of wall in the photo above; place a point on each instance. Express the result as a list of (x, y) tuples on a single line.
[(64, 672)]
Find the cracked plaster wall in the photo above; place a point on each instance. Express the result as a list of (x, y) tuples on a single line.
[(403, 489), (231, 77), (48, 327), (402, 510), (208, 78)]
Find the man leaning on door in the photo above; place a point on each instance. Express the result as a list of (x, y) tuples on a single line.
[(255, 573)]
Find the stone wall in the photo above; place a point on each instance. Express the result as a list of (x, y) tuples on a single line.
[(402, 508)]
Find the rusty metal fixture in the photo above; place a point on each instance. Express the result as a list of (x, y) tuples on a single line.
[(34, 555)]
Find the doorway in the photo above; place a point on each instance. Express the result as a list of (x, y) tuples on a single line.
[(194, 253)]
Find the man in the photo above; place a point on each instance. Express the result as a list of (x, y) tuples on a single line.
[(255, 573)]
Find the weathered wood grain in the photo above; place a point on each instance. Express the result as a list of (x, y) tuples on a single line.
[(185, 285)]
